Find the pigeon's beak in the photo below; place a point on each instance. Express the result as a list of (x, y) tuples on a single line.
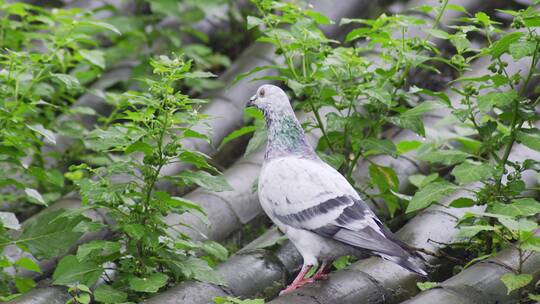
[(251, 102)]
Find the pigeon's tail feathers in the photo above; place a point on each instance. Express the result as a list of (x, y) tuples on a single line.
[(411, 262), (385, 245)]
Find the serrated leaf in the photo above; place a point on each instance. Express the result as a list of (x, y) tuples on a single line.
[(51, 234), (429, 194), (71, 271), (237, 133), (135, 231), (470, 231), (518, 207), (140, 146), (318, 17), (384, 177), (530, 138), (379, 145), (253, 22), (204, 179), (102, 25), (515, 281), (151, 283), (71, 82), (216, 250), (518, 224), (445, 157), (522, 49), (47, 134), (35, 196), (97, 247), (107, 294), (9, 220), (28, 264), (501, 46), (94, 56), (407, 146), (462, 202), (491, 99), (468, 172)]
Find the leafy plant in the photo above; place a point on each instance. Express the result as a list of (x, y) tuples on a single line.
[(144, 251), (46, 56), (352, 97), (497, 112)]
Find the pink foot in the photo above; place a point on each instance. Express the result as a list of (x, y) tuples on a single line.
[(320, 276), (297, 285)]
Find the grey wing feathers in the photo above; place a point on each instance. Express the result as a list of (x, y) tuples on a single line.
[(357, 226)]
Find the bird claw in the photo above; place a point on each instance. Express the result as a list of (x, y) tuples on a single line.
[(320, 276), (299, 284)]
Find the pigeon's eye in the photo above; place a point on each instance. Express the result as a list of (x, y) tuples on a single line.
[(261, 93)]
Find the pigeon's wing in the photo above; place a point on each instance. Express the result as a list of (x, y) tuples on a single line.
[(311, 195)]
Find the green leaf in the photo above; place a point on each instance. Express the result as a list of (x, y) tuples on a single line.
[(420, 181), (515, 281), (429, 194), (28, 264), (470, 231), (384, 177), (206, 180), (178, 202), (258, 139), (407, 146), (48, 134), (198, 269), (530, 138), (253, 22), (426, 285), (531, 243), (107, 294), (71, 82), (9, 220), (519, 224), (97, 248), (51, 234), (518, 207), (522, 49), (151, 283), (94, 56), (72, 271), (438, 33), (216, 250), (35, 196), (199, 74), (24, 284), (501, 46), (135, 231), (100, 24), (236, 134), (445, 157), (468, 172), (491, 99), (462, 202), (380, 145), (318, 17), (140, 146)]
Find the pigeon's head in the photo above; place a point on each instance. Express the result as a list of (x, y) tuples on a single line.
[(270, 98)]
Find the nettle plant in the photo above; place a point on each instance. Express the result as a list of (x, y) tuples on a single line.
[(46, 56), (156, 27), (143, 253), (352, 94), (497, 113)]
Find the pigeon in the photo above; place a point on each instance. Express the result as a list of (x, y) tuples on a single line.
[(312, 203)]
